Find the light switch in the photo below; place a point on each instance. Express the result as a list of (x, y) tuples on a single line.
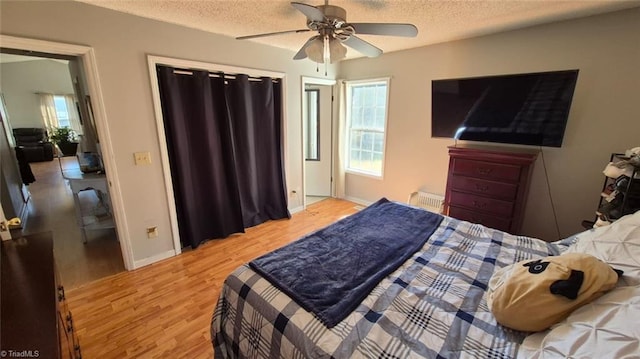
[(142, 158)]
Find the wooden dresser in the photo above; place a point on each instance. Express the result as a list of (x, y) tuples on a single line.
[(35, 319), (489, 185)]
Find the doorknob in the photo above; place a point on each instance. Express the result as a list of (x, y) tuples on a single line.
[(6, 225)]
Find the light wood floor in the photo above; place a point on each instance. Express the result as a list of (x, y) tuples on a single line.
[(51, 208), (164, 310)]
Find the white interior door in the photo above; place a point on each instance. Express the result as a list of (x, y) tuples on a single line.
[(318, 141)]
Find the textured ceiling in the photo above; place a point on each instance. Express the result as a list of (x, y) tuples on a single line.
[(437, 21)]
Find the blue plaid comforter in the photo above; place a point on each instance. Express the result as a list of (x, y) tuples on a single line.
[(433, 306)]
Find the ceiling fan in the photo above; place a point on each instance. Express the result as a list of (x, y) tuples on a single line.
[(334, 31)]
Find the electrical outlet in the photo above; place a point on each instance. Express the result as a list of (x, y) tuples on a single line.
[(142, 158), (152, 232)]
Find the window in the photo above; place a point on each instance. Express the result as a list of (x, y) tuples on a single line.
[(366, 124), (61, 111), (313, 125)]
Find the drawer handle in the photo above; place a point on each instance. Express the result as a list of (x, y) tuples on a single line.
[(69, 323), (484, 171), (482, 188), (60, 293), (479, 204)]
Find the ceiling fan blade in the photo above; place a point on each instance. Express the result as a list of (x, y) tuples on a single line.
[(311, 12), (301, 54), (362, 46), (406, 30), (271, 34)]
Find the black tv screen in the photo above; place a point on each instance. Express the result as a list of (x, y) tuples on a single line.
[(526, 109)]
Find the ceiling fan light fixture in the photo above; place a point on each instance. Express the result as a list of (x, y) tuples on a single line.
[(315, 50), (326, 49), (337, 50)]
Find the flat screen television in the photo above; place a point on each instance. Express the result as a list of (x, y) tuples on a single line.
[(526, 109)]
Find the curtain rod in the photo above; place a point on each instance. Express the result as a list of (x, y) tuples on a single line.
[(221, 74)]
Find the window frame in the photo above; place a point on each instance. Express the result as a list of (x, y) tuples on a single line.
[(349, 85), (308, 98)]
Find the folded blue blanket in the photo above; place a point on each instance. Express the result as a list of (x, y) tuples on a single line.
[(329, 272)]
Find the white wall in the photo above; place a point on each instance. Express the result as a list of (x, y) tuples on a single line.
[(121, 44), (19, 82), (603, 119)]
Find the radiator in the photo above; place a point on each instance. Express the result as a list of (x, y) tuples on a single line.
[(429, 201)]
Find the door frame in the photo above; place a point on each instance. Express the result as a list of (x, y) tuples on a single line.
[(21, 212), (304, 81), (5, 235), (87, 54)]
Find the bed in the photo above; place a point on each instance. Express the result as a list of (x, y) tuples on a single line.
[(429, 305)]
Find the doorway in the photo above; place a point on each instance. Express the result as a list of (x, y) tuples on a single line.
[(317, 118), (49, 202)]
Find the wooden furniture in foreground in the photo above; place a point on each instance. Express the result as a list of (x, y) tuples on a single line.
[(35, 318), (489, 185)]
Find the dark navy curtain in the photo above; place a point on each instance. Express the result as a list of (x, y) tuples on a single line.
[(224, 138)]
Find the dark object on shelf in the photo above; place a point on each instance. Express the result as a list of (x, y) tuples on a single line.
[(35, 319), (620, 196), (489, 185), (610, 211), (34, 144)]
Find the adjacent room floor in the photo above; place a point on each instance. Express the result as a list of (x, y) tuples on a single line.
[(51, 208)]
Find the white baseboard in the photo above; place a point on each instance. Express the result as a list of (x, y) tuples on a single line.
[(158, 257), (296, 209), (358, 200)]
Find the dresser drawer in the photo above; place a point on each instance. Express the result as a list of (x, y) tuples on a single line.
[(506, 191), (481, 204), (487, 170), (481, 218)]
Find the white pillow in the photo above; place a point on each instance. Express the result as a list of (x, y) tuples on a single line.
[(617, 244), (602, 329)]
